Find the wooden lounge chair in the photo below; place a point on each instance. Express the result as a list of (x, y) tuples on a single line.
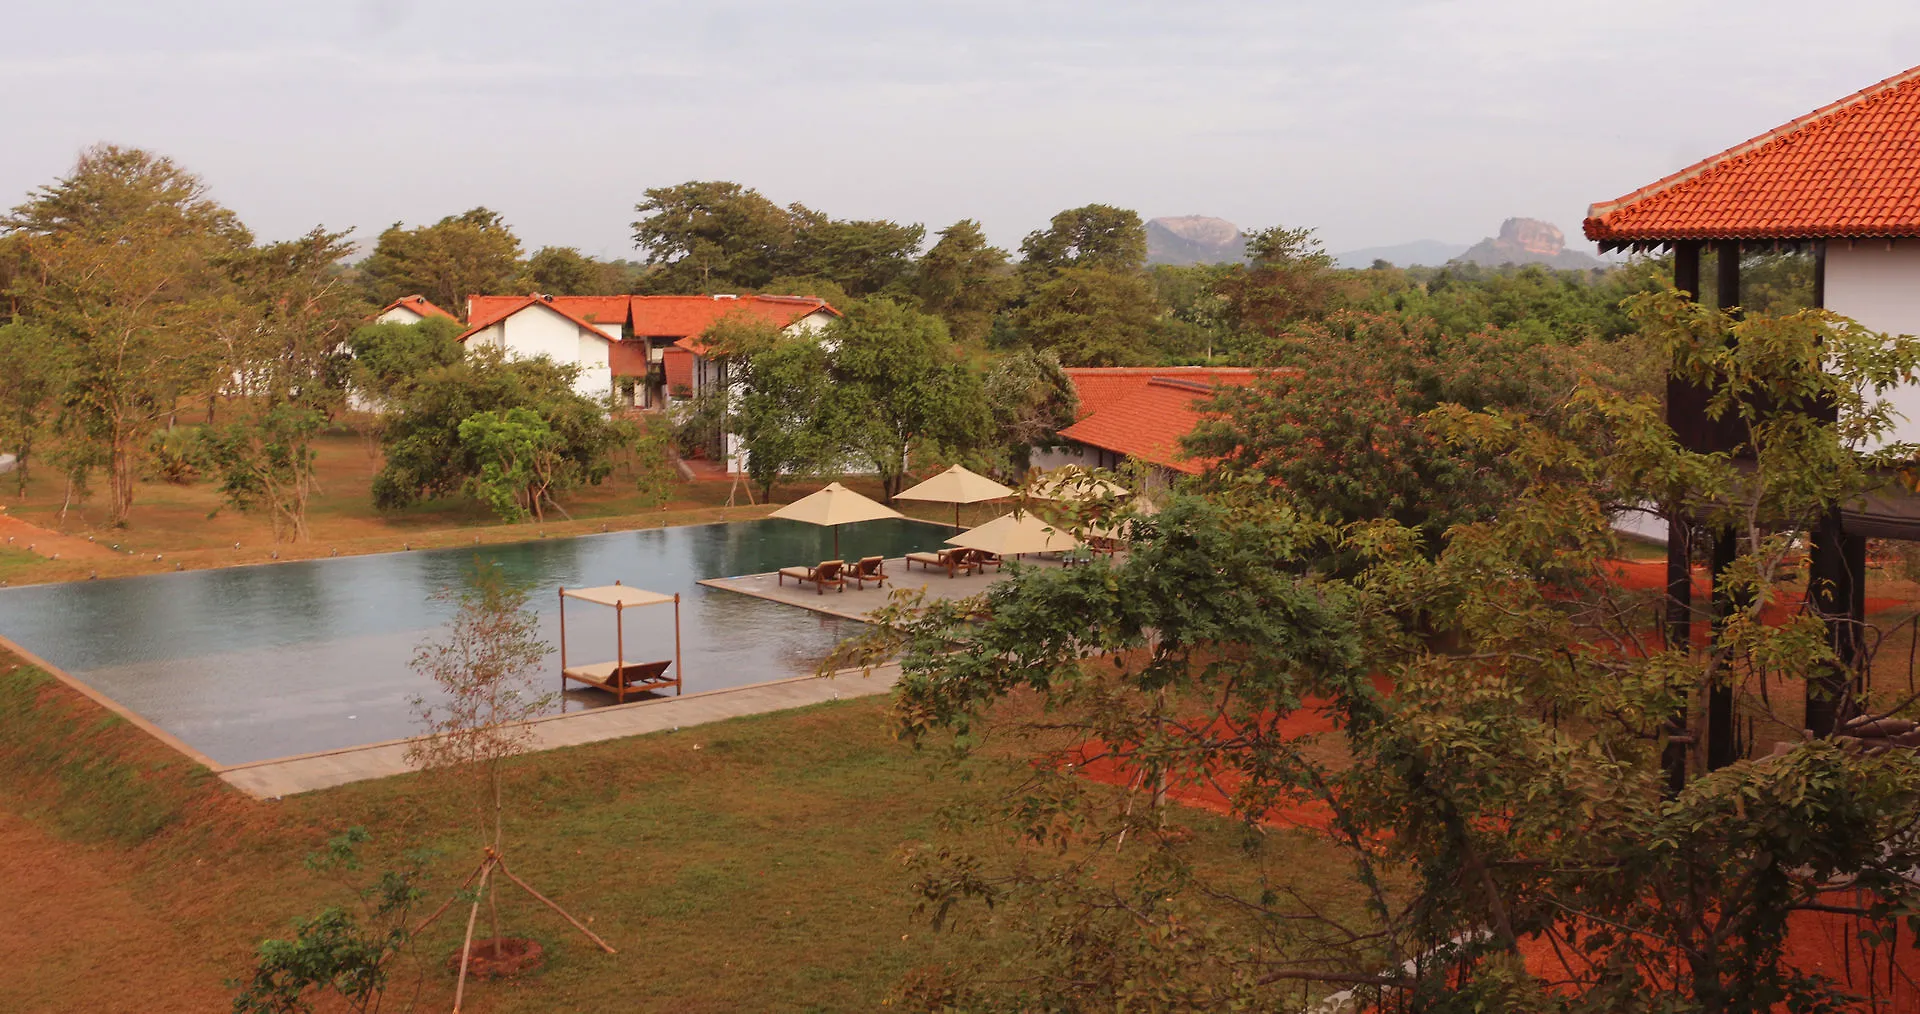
[(870, 568), (980, 559), (618, 680), (823, 575), (952, 560)]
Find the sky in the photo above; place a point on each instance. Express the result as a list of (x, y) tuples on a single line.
[(1374, 122)]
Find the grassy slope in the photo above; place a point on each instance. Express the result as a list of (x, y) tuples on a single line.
[(749, 865)]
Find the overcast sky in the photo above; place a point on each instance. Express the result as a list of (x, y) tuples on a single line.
[(1375, 122)]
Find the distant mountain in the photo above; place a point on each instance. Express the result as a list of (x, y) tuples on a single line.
[(1426, 252), (1528, 241), (1194, 239)]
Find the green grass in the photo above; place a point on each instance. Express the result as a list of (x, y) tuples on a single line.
[(16, 563)]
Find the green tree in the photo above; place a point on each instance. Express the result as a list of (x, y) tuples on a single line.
[(564, 271), (1091, 317), (389, 358), (31, 386), (1032, 399), (122, 269), (1339, 420), (709, 235), (519, 459), (1097, 236), (897, 381), (863, 257), (964, 280), (1508, 788), (346, 952), (472, 253), (788, 414), (1288, 279), (425, 456)]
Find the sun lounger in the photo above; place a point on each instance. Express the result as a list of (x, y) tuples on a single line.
[(980, 559), (826, 574), (618, 680), (951, 560), (870, 568)]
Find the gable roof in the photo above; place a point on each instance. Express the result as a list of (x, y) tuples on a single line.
[(1850, 169), (681, 317), (500, 308), (418, 304), (1142, 412)]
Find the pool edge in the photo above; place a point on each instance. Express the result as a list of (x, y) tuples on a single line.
[(144, 725)]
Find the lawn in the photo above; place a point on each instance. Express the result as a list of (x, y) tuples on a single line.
[(748, 865)]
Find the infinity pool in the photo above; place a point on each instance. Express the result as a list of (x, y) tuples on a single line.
[(250, 663)]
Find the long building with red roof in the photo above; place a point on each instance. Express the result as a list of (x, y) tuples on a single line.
[(1139, 414), (644, 350)]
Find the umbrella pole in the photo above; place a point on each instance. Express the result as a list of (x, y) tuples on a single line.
[(836, 542), (956, 517)]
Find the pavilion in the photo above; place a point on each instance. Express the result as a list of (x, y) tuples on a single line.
[(1843, 183)]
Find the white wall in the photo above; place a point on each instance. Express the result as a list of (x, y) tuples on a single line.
[(400, 315), (1880, 288), (540, 331)]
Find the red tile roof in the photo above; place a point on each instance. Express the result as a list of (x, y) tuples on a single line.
[(499, 308), (1849, 169), (418, 304), (1142, 412), (681, 317)]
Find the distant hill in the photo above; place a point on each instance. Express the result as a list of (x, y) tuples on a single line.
[(1194, 239), (1528, 241), (1420, 252)]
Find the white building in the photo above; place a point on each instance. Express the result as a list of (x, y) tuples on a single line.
[(410, 310)]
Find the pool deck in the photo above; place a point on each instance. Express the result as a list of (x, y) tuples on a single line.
[(286, 776), (858, 603)]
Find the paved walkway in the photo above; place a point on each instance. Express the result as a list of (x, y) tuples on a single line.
[(287, 776), (857, 603)]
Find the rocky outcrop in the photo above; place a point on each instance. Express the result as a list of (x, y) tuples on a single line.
[(1527, 241), (1194, 239)]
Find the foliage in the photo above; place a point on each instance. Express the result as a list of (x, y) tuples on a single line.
[(1032, 399), (703, 236), (788, 413), (1533, 302), (1288, 279), (565, 271), (862, 257), (1503, 785), (30, 388), (1091, 317), (389, 358), (425, 455), (1337, 421), (346, 953), (653, 470), (179, 455), (1094, 237), (123, 272), (964, 280), (266, 463), (894, 381), (472, 252), (520, 462)]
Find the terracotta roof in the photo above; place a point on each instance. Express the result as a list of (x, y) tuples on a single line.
[(420, 305), (1142, 412), (1849, 169), (682, 317), (500, 309)]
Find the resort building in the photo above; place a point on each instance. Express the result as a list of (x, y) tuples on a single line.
[(410, 310), (1137, 414), (643, 350), (1841, 183)]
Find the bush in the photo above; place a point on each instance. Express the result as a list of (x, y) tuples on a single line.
[(179, 455)]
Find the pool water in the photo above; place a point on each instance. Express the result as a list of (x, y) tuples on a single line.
[(251, 663)]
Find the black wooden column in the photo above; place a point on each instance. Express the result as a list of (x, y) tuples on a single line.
[(1686, 414), (1836, 582)]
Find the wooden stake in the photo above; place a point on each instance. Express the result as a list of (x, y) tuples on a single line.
[(544, 900), (466, 947)]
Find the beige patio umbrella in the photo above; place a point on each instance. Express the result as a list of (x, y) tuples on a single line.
[(956, 486), (833, 506), (1014, 534)]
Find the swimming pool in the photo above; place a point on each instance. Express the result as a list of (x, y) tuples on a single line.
[(250, 663)]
